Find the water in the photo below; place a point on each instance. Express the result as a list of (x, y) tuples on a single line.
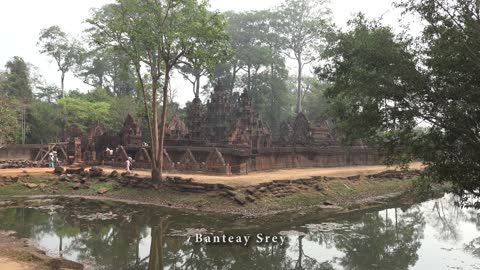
[(105, 235)]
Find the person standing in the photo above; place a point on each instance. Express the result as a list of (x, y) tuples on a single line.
[(128, 163), (56, 161), (51, 160)]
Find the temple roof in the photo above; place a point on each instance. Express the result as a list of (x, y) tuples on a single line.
[(176, 125)]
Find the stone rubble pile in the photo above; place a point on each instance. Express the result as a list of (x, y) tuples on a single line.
[(7, 180), (15, 164), (80, 178), (395, 174)]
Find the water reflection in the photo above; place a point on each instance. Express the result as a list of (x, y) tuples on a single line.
[(387, 243), (117, 236)]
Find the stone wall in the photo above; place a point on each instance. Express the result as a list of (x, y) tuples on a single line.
[(18, 152), (227, 161), (295, 157)]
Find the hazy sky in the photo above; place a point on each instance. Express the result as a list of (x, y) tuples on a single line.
[(21, 21)]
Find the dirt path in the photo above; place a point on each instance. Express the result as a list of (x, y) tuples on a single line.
[(9, 264), (251, 178), (29, 170)]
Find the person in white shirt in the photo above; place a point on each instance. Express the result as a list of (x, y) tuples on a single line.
[(128, 164)]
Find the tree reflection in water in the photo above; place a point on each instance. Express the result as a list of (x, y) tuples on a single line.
[(141, 239), (388, 244)]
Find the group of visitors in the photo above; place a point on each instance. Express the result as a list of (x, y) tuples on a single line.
[(54, 161), (128, 163)]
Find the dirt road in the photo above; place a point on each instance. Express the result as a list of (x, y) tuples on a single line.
[(10, 264), (249, 179)]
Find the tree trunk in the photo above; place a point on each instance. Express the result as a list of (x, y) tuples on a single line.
[(101, 81), (157, 245), (114, 80), (62, 83), (162, 125), (300, 253), (152, 123), (24, 124), (197, 90), (60, 246), (299, 86), (194, 86), (234, 77), (273, 115), (248, 78), (156, 177), (156, 165)]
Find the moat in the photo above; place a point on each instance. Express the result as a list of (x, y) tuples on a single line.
[(109, 235)]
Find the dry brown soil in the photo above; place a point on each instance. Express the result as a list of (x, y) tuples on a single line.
[(9, 264), (251, 178)]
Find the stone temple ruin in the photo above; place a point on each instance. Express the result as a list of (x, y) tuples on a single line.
[(225, 136)]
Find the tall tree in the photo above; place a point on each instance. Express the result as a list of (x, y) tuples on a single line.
[(156, 36), (249, 53), (257, 64), (204, 54), (315, 104), (10, 127), (17, 81), (303, 24), (426, 107), (82, 112), (373, 81), (278, 96), (450, 49), (107, 68), (18, 84), (44, 122), (56, 43), (48, 93)]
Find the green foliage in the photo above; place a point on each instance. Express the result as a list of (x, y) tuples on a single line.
[(10, 127), (314, 102), (44, 122), (372, 77), (109, 69), (48, 93), (424, 107), (204, 54), (99, 95), (303, 25), (157, 36), (257, 64), (450, 46), (421, 188), (119, 108), (17, 83), (65, 51), (83, 113)]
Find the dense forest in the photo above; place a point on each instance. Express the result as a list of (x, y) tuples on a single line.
[(252, 54), (416, 97)]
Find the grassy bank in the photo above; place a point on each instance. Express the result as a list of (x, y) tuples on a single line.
[(335, 193)]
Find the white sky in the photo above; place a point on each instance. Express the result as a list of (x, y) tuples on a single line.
[(22, 20)]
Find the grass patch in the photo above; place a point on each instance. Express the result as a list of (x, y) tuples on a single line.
[(302, 199), (341, 192), (16, 189), (96, 186)]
